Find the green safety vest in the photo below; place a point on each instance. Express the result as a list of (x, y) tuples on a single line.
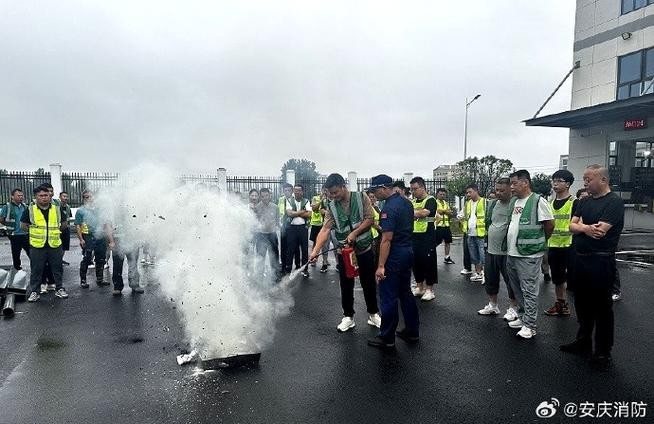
[(420, 225), (445, 220), (316, 217), (40, 231), (286, 220), (344, 224), (373, 230), (562, 236), (480, 214), (11, 220), (531, 233)]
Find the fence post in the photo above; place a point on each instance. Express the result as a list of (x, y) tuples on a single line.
[(408, 176), (352, 181), (290, 176), (222, 179), (55, 178)]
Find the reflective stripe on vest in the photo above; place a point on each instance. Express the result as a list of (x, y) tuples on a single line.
[(10, 222), (316, 217), (344, 225), (445, 220), (561, 236), (373, 230), (420, 225), (531, 234), (480, 214), (40, 231)]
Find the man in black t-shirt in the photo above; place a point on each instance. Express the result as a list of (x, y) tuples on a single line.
[(596, 225), (425, 270)]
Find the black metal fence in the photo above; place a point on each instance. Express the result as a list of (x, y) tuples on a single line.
[(26, 181), (75, 183)]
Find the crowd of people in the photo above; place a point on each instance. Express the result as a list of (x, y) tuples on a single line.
[(387, 234)]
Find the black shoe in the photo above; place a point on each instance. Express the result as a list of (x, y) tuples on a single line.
[(547, 278), (84, 284), (305, 273), (65, 262), (407, 337), (137, 290), (601, 362), (380, 343), (449, 261), (102, 283), (577, 347), (323, 268)]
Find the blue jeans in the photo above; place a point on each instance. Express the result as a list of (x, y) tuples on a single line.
[(397, 287), (476, 248)]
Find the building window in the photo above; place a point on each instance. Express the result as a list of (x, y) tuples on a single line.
[(613, 153), (635, 74), (631, 5), (644, 154)]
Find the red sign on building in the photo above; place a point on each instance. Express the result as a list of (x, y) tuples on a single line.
[(635, 124)]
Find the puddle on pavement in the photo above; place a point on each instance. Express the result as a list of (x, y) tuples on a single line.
[(637, 257), (45, 344)]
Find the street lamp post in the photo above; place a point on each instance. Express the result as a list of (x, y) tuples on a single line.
[(465, 126)]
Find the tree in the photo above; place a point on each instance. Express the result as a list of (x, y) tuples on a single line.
[(481, 171), (40, 171), (542, 184), (305, 170)]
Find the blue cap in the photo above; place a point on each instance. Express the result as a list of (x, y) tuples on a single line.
[(381, 180)]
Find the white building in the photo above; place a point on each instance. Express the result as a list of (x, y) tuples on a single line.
[(445, 172), (611, 118)]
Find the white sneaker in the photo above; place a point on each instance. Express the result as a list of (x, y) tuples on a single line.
[(511, 315), (429, 295), (347, 323), (615, 297), (51, 287), (489, 309), (526, 333), (516, 323), (417, 291), (476, 277), (44, 288), (92, 266), (465, 271), (34, 296), (106, 266), (374, 320)]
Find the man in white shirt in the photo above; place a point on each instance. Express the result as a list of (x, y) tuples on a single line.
[(531, 224), (298, 211)]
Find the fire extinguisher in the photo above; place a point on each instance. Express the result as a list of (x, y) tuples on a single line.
[(350, 262)]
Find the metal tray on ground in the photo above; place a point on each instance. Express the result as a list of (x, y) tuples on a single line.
[(242, 360), (4, 280), (19, 284)]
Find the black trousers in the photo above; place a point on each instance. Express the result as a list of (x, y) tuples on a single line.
[(132, 256), (367, 270), (38, 260), (18, 243), (93, 246), (466, 254), (267, 243), (283, 239), (594, 279), (425, 268), (65, 239), (297, 238)]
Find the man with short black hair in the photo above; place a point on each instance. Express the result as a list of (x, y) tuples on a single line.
[(425, 269), (66, 216), (298, 212), (287, 190), (266, 236), (596, 227), (10, 217), (531, 224), (42, 221), (474, 226), (443, 231), (92, 230), (348, 219)]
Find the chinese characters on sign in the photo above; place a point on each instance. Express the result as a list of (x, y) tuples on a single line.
[(548, 409), (635, 124)]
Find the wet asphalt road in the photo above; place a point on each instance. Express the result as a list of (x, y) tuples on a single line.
[(94, 358)]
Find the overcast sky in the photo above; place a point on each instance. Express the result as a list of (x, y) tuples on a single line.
[(367, 86)]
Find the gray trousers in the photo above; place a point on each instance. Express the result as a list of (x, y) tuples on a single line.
[(524, 275), (38, 259)]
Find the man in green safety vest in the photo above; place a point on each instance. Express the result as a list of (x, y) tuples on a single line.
[(530, 225), (559, 246), (284, 223), (318, 209), (425, 269), (42, 220), (297, 214), (443, 231), (348, 218), (10, 216), (473, 224)]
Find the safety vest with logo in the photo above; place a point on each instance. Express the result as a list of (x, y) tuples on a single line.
[(420, 225), (445, 219), (373, 230), (480, 215), (40, 230), (12, 216), (531, 233), (562, 236), (344, 224), (316, 217)]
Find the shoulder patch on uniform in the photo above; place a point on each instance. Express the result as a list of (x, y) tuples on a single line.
[(384, 215)]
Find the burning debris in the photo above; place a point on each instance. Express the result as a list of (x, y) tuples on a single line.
[(234, 361)]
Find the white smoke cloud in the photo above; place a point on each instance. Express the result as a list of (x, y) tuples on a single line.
[(204, 259)]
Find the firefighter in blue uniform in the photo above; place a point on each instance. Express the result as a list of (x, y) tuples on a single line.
[(394, 269)]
